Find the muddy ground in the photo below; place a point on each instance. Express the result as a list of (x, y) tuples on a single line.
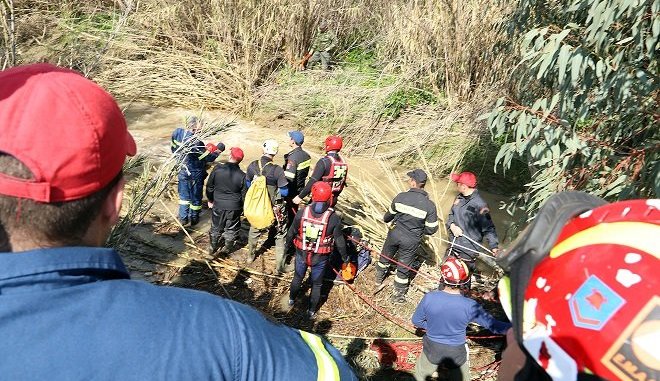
[(160, 252)]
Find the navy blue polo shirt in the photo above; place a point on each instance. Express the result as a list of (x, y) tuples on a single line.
[(74, 314)]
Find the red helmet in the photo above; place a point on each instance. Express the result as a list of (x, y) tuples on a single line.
[(455, 272), (333, 143), (583, 291), (321, 191)]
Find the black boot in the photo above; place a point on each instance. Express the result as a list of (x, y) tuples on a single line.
[(398, 296)]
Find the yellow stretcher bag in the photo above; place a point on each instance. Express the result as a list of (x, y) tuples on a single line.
[(257, 208)]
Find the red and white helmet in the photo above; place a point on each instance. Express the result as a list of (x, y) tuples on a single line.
[(321, 191), (333, 143), (582, 289), (455, 272)]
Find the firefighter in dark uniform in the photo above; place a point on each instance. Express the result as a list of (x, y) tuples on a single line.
[(315, 232), (277, 191), (413, 215), (194, 157), (330, 169), (296, 169), (225, 190), (469, 217)]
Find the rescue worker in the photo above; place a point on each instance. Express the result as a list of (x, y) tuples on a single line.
[(296, 169), (316, 231), (330, 169), (586, 273), (469, 217), (225, 190), (444, 315), (68, 307), (194, 156), (324, 41), (412, 215), (277, 190)]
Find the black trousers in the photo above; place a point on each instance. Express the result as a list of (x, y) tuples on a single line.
[(318, 264), (401, 245), (225, 224)]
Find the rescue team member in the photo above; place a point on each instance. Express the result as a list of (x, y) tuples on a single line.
[(296, 169), (316, 231), (587, 273), (68, 308), (412, 215), (470, 217), (277, 190), (195, 156), (225, 190), (444, 315), (324, 41), (330, 169)]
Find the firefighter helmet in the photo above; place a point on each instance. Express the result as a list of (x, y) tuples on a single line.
[(321, 191), (573, 324), (333, 143), (271, 147), (455, 272)]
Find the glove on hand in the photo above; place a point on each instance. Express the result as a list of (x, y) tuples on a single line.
[(221, 147)]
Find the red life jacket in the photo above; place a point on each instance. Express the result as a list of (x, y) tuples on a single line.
[(313, 233), (337, 175)]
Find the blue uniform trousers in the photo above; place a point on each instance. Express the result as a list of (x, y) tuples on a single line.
[(190, 189)]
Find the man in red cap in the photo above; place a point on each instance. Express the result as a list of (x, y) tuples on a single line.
[(469, 221), (225, 190), (68, 308)]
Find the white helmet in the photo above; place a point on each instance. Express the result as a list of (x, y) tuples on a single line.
[(270, 147)]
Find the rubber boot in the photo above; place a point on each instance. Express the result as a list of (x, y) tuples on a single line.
[(214, 244), (398, 295), (251, 252), (280, 258)]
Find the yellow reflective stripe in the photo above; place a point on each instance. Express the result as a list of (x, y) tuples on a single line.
[(615, 233), (184, 202), (504, 290), (304, 164), (327, 368), (289, 174), (411, 210), (176, 142), (196, 207), (431, 224), (383, 265), (398, 279), (203, 155)]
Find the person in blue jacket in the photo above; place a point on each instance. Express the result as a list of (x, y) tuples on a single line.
[(444, 315), (194, 156), (68, 308)]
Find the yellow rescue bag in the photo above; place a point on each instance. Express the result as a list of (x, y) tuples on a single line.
[(257, 207)]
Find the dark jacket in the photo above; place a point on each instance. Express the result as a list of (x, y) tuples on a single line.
[(321, 169), (226, 187), (414, 212), (471, 214), (275, 179), (296, 169), (194, 152), (334, 227)]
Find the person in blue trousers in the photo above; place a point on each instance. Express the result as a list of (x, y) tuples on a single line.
[(194, 156)]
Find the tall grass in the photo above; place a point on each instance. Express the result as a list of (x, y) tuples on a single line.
[(231, 47)]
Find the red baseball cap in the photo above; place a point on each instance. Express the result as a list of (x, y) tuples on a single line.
[(66, 129), (467, 178), (237, 154)]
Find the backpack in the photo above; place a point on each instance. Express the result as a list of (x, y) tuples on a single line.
[(257, 207)]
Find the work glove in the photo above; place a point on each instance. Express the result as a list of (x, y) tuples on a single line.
[(211, 147), (456, 230), (221, 147), (348, 271)]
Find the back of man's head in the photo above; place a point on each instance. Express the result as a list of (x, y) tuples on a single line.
[(64, 142)]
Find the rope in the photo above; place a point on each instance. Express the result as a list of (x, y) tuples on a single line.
[(388, 316), (351, 238)]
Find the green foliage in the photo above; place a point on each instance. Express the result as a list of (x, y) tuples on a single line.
[(585, 113), (361, 59), (405, 98)]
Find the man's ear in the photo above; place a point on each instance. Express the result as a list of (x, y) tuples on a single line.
[(112, 203)]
